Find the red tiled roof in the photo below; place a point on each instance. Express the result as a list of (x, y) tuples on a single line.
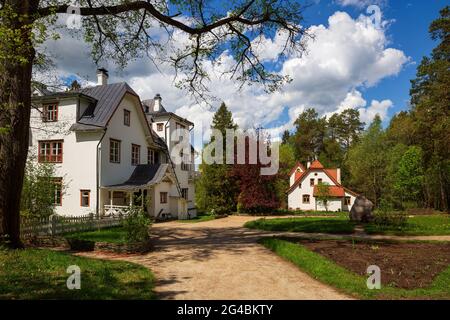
[(333, 191), (298, 175), (316, 165), (298, 164), (332, 173)]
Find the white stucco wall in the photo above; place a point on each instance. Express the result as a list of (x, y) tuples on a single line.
[(115, 173), (78, 169), (295, 198)]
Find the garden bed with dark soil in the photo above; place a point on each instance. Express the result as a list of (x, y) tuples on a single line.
[(403, 265)]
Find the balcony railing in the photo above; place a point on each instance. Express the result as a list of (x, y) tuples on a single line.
[(114, 210)]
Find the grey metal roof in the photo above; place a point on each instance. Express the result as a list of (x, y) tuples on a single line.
[(84, 127), (108, 98), (144, 175), (150, 103)]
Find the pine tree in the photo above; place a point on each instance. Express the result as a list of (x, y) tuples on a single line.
[(216, 189), (430, 102)]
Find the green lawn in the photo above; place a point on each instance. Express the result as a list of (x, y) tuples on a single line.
[(417, 225), (199, 218), (348, 282), (41, 274), (112, 235), (340, 225)]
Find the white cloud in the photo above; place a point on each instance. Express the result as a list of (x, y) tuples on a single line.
[(376, 107), (360, 3), (346, 56)]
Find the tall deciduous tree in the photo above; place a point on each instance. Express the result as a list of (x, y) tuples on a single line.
[(257, 192), (367, 162), (121, 30)]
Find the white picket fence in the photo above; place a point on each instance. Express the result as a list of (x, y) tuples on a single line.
[(55, 225)]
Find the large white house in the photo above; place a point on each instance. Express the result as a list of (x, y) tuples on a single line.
[(303, 190), (106, 153)]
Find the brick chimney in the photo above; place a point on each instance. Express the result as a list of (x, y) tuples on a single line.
[(102, 77)]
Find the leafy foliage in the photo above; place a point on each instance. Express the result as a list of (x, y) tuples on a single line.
[(323, 194), (136, 225), (216, 189), (38, 193)]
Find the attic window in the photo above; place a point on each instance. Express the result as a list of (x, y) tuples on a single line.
[(160, 126), (89, 112), (126, 117), (50, 113), (298, 169)]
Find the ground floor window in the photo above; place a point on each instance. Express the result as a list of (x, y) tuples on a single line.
[(57, 191), (347, 201), (163, 197), (306, 198), (85, 197), (184, 193)]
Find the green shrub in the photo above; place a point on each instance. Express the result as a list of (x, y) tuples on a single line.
[(136, 225), (390, 218)]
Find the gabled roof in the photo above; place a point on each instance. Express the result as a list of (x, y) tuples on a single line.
[(298, 164), (333, 191), (144, 175), (316, 165), (332, 173), (108, 99), (150, 104)]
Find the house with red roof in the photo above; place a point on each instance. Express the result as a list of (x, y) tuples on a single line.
[(303, 188)]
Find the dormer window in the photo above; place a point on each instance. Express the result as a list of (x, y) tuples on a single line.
[(126, 117), (50, 113), (160, 126)]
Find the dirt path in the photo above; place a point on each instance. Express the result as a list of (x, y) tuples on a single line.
[(220, 259)]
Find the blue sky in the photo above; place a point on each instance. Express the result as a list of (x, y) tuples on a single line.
[(349, 64), (408, 32)]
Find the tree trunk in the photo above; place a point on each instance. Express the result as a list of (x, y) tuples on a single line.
[(15, 104)]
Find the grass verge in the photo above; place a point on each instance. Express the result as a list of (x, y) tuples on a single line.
[(339, 225), (41, 274), (415, 226), (111, 235), (348, 282)]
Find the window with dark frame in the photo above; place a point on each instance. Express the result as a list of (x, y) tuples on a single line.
[(50, 151), (160, 126), (163, 197), (126, 117), (306, 198), (185, 161), (135, 154), (50, 113), (184, 193), (57, 191), (347, 201), (85, 197), (311, 182), (152, 156), (319, 181), (114, 151)]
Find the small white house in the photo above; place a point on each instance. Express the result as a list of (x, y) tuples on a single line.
[(106, 154), (303, 190)]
